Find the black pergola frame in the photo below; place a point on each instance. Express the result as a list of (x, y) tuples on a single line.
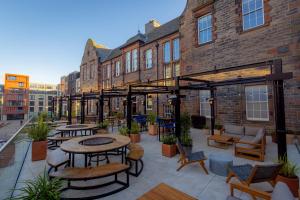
[(276, 76)]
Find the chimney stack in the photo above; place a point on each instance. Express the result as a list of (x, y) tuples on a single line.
[(151, 25)]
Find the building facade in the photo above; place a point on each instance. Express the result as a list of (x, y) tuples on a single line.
[(1, 101), (15, 103), (40, 97)]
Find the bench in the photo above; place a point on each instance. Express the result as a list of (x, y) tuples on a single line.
[(56, 158), (85, 174), (136, 152), (56, 140)]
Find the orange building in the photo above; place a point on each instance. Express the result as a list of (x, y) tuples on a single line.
[(16, 94)]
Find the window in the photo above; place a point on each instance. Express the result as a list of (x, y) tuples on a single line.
[(91, 71), (31, 109), (32, 97), (149, 59), (168, 71), (41, 103), (168, 110), (41, 109), (118, 68), (108, 71), (176, 69), (11, 78), (134, 60), (176, 49), (117, 103), (21, 84), (204, 103), (149, 102), (87, 72), (31, 103), (253, 13), (257, 103), (167, 54), (128, 62), (205, 29)]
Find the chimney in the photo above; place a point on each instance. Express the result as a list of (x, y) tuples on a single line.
[(151, 25)]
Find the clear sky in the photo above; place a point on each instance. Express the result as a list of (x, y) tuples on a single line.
[(45, 39)]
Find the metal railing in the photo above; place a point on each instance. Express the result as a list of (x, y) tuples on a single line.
[(12, 157)]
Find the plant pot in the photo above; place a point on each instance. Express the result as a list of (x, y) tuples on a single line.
[(217, 132), (168, 150), (205, 131), (187, 149), (135, 138), (39, 150), (292, 183), (290, 138), (102, 131), (152, 129)]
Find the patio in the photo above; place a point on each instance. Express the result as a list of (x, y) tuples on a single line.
[(157, 169)]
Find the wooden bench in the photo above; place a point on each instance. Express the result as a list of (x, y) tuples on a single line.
[(136, 153), (56, 158), (85, 174), (55, 141)]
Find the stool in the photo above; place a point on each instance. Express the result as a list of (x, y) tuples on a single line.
[(220, 163)]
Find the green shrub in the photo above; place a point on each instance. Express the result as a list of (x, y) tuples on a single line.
[(186, 140), (135, 129), (124, 131), (43, 116), (119, 115), (185, 121), (39, 131), (289, 169), (169, 139), (103, 125), (151, 118), (40, 188), (218, 126)]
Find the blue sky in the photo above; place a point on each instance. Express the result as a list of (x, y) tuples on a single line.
[(45, 39)]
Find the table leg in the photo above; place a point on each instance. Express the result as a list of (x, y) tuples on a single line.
[(73, 159), (85, 160), (122, 154)]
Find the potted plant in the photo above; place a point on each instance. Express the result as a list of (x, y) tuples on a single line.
[(102, 127), (152, 128), (288, 175), (41, 188), (217, 129), (124, 131), (38, 133), (135, 136), (186, 140), (169, 146)]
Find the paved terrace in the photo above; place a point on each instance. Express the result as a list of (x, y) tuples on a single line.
[(191, 179)]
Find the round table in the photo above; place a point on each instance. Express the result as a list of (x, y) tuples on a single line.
[(74, 128), (88, 145)]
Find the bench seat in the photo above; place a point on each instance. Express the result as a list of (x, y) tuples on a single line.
[(56, 158)]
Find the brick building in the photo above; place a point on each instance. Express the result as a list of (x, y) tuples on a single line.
[(15, 103), (208, 37), (1, 100)]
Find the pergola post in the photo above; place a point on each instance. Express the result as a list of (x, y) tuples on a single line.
[(70, 110), (82, 115), (145, 104), (52, 108), (177, 109), (87, 107), (212, 110), (60, 108), (129, 102), (109, 106), (280, 111), (101, 104)]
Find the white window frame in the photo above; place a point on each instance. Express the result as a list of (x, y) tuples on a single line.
[(207, 111), (176, 43), (128, 62), (208, 28), (134, 60), (148, 56), (251, 12), (118, 67), (167, 52), (254, 118)]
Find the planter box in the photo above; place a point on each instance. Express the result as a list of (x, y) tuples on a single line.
[(135, 138), (152, 130), (168, 150), (292, 183), (39, 150)]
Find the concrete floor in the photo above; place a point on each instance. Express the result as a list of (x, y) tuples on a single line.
[(191, 179)]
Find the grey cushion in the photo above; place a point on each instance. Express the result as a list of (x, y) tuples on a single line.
[(259, 136), (247, 146), (282, 192), (233, 129), (234, 135), (233, 198), (252, 131)]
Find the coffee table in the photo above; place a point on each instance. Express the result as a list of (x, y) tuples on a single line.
[(223, 141)]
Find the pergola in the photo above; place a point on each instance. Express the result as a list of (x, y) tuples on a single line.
[(270, 71)]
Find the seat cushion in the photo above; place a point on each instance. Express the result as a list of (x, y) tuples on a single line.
[(233, 129), (196, 156), (281, 191), (252, 131), (259, 136), (242, 171)]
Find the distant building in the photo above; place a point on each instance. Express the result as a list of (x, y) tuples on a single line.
[(40, 97), (71, 79), (15, 101), (1, 100)]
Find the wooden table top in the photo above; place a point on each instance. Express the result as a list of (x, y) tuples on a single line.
[(165, 192), (216, 137), (76, 127), (75, 145)]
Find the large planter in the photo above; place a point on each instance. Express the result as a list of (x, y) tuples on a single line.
[(152, 129), (135, 138), (168, 150), (39, 150), (292, 183)]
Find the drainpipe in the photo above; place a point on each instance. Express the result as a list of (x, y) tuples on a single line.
[(157, 74)]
